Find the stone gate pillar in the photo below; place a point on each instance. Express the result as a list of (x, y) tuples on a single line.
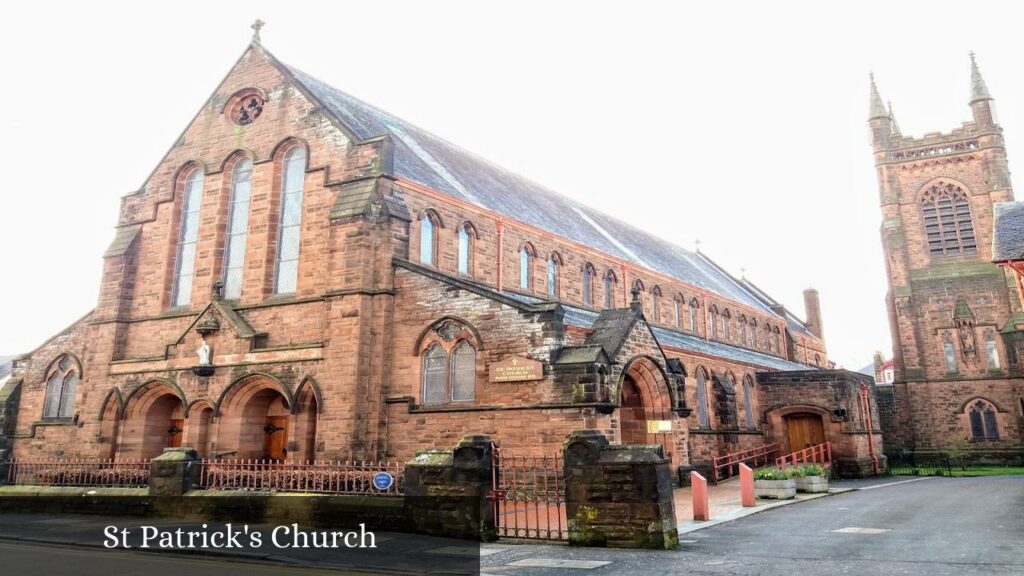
[(446, 491), (618, 496), (174, 472)]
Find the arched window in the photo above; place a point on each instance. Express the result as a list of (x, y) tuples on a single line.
[(983, 421), (289, 234), (609, 288), (238, 228), (428, 239), (463, 372), (991, 352), (638, 287), (677, 304), (775, 340), (588, 284), (949, 353), (726, 318), (947, 220), (554, 263), (748, 401), (743, 329), (714, 321), (526, 254), (656, 304), (693, 315), (817, 359), (702, 399), (753, 333), (435, 375), (61, 383), (768, 337), (188, 235), (466, 249)]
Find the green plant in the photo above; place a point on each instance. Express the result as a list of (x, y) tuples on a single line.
[(771, 474), (813, 470), (957, 448)]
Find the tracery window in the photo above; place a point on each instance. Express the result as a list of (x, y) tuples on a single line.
[(465, 249), (526, 254), (449, 378), (238, 228), (428, 239), (609, 288), (949, 353), (554, 263), (588, 284), (983, 421), (293, 175), (188, 235), (947, 220), (991, 352), (61, 384)]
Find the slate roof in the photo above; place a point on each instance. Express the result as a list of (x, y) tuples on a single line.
[(794, 323), (683, 341), (6, 363), (1008, 239), (610, 329), (434, 162)]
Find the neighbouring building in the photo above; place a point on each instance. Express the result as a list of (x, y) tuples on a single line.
[(304, 276), (955, 315)]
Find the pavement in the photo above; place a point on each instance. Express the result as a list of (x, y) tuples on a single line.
[(933, 526)]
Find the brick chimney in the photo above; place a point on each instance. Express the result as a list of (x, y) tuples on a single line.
[(813, 312)]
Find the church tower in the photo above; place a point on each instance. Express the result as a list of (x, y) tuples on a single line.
[(947, 302)]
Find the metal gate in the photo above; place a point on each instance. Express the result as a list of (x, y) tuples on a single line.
[(528, 496)]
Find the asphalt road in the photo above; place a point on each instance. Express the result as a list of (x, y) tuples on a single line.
[(936, 526)]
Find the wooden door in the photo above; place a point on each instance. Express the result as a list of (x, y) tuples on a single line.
[(174, 440), (805, 430), (274, 447), (632, 416)]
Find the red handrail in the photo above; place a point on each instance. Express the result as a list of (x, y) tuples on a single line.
[(818, 454), (725, 462)]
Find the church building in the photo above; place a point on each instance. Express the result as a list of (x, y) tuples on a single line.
[(956, 320), (306, 277)]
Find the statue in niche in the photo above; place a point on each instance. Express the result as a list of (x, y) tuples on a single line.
[(204, 354), (966, 332)]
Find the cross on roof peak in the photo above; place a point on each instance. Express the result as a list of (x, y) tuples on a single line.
[(256, 26)]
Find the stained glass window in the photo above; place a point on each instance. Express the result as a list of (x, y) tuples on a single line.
[(188, 235), (289, 234)]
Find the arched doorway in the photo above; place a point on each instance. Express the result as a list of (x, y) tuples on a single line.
[(645, 409), (633, 417), (154, 420), (803, 430), (254, 420)]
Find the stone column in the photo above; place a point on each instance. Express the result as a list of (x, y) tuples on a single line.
[(446, 491), (174, 472), (618, 496)]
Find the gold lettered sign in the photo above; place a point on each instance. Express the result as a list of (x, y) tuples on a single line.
[(516, 369)]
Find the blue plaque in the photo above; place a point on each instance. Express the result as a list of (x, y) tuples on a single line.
[(383, 480)]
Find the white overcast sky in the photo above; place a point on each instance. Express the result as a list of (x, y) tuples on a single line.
[(741, 124)]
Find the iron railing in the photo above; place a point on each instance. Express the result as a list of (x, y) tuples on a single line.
[(528, 496), (98, 472), (911, 465), (317, 477), (728, 465), (818, 454)]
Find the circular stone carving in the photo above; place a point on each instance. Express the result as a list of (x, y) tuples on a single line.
[(246, 107)]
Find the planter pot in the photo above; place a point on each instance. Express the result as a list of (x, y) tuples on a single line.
[(812, 484), (777, 489)]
